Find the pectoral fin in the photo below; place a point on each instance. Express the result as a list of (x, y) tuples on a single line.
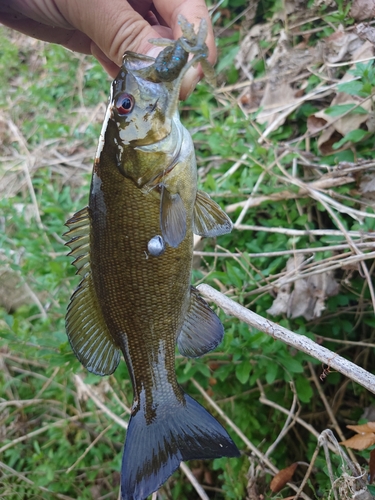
[(172, 217), (209, 218), (87, 331), (202, 330)]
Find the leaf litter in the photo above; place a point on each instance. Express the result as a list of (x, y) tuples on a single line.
[(303, 286)]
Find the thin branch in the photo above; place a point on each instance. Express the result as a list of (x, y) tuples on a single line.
[(308, 472), (303, 232), (328, 408), (239, 433), (59, 423), (254, 201), (292, 251), (263, 399), (86, 389), (198, 488), (328, 203), (89, 448), (288, 424), (300, 342)]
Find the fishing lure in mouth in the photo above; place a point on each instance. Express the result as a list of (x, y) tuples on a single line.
[(133, 247)]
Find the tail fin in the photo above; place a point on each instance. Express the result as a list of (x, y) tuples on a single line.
[(154, 450)]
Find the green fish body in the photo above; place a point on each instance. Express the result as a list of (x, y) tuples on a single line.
[(133, 247)]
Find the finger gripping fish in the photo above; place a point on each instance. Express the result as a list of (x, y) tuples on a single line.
[(133, 247)]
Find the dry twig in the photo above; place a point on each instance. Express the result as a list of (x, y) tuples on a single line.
[(300, 342)]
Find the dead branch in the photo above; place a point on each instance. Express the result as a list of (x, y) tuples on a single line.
[(300, 342)]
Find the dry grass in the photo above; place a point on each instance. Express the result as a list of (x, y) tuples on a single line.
[(95, 411)]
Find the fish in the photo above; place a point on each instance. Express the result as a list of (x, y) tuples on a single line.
[(133, 248)]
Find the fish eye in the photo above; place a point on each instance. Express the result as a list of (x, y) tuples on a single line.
[(124, 104)]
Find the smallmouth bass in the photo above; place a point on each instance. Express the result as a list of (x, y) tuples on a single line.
[(133, 247)]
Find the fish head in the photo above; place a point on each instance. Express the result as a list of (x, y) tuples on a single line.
[(139, 131), (138, 106)]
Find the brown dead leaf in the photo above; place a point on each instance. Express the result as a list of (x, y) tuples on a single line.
[(367, 184), (284, 66), (13, 292), (360, 441), (351, 121), (341, 45), (363, 429), (315, 124), (282, 477), (364, 438), (280, 304), (339, 127), (308, 296), (326, 141), (365, 32), (362, 9), (250, 46)]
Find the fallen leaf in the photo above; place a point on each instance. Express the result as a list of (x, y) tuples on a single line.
[(365, 32), (367, 184), (284, 65), (363, 428), (326, 141), (341, 45), (280, 304), (282, 477), (350, 121), (308, 296), (362, 9), (360, 441), (339, 127), (315, 124), (250, 46)]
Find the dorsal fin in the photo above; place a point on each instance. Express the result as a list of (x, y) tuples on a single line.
[(209, 218), (87, 331)]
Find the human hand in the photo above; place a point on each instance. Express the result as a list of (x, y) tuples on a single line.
[(106, 29)]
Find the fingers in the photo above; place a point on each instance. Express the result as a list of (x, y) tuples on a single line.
[(107, 29), (114, 26), (193, 11), (72, 39)]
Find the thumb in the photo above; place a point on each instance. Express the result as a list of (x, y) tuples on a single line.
[(114, 27)]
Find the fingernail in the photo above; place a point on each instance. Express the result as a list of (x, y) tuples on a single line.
[(154, 51)]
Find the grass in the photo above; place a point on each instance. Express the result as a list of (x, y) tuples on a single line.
[(58, 437)]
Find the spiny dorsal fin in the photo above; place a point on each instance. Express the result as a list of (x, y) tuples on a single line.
[(202, 330), (172, 217), (209, 218), (86, 328)]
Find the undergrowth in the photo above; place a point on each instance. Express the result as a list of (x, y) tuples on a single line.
[(54, 440)]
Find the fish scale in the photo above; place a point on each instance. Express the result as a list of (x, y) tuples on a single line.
[(152, 294), (134, 298)]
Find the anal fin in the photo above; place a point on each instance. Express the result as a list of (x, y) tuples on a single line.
[(209, 218), (87, 331), (202, 330), (172, 217)]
